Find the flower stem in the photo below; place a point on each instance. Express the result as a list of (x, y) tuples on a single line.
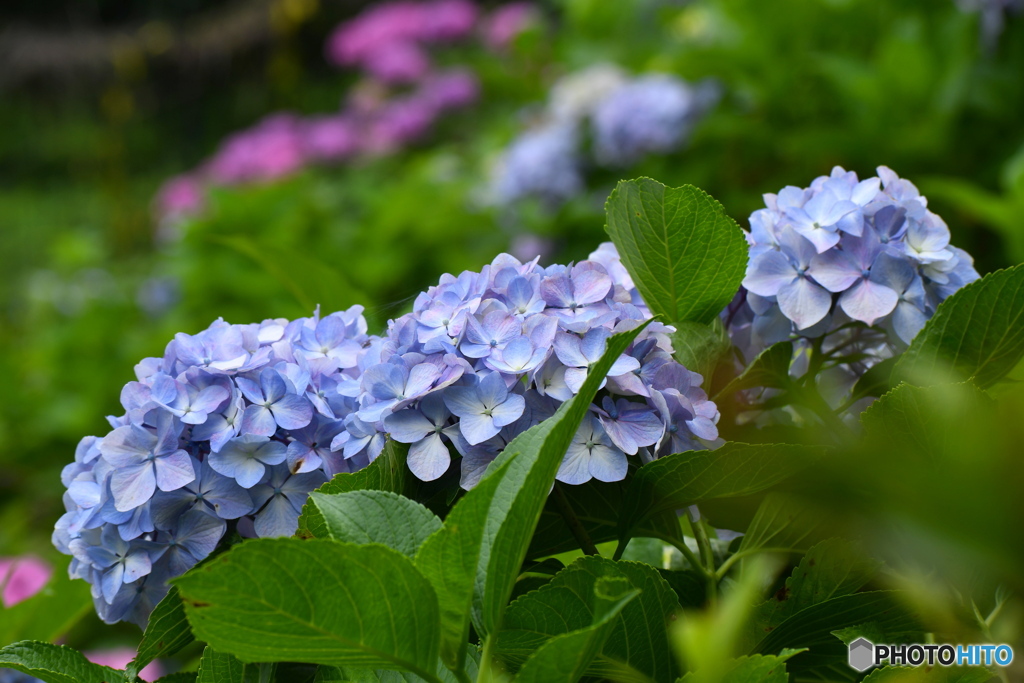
[(707, 556)]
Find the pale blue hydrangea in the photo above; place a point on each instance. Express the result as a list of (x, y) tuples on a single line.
[(544, 162), (506, 346), (232, 426), (652, 114), (598, 117), (856, 267)]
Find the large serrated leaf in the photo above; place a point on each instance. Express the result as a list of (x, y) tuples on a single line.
[(55, 663), (219, 667), (387, 472), (166, 633), (977, 333), (920, 674), (566, 657), (749, 669), (315, 601), (812, 627), (925, 421), (686, 256), (830, 569), (638, 647), (376, 517)]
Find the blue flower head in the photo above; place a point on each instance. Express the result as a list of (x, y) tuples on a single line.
[(860, 265), (233, 425), (484, 356), (650, 114)]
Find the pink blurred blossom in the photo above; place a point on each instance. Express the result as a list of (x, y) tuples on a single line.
[(268, 151), (180, 196), (397, 62), (451, 89), (21, 578), (399, 122), (385, 24), (448, 19), (386, 34), (505, 23), (118, 658), (330, 138)]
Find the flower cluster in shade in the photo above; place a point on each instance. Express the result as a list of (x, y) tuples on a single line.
[(625, 119), (485, 355), (229, 430), (400, 98)]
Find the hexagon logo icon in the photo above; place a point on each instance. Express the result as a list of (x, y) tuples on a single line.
[(862, 654)]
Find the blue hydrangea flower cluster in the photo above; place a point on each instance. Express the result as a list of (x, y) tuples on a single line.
[(625, 118), (846, 251), (484, 356), (232, 426)]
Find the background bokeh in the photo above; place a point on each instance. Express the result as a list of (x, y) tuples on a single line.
[(103, 102)]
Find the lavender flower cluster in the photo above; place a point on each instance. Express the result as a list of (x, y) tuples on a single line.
[(233, 427), (854, 267), (627, 118), (400, 98)]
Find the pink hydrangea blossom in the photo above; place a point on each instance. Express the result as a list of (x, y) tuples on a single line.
[(180, 196), (268, 151), (508, 21), (330, 138), (398, 62), (451, 89), (21, 578)]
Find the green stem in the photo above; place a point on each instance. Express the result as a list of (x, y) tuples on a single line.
[(687, 553), (487, 673), (462, 676), (265, 672), (809, 395), (573, 522), (708, 556), (736, 557), (817, 358)]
